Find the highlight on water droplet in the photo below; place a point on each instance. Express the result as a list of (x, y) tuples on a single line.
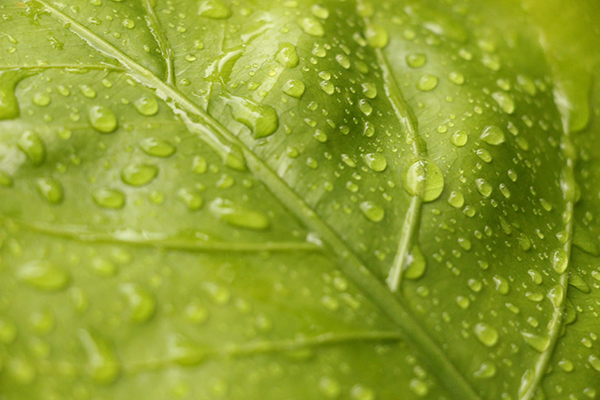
[(109, 198), (34, 148), (560, 261), (103, 119), (215, 9), (372, 211), (486, 370), (537, 342), (483, 187), (456, 199), (261, 119), (415, 264), (138, 174), (44, 276), (239, 216), (146, 105), (424, 179)]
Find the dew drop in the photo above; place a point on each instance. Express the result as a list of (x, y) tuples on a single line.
[(456, 77), (191, 198), (424, 179), (539, 343), (102, 363), (33, 147), (109, 198), (594, 362), (327, 87), (415, 265), (103, 119), (185, 351), (365, 107), (138, 174), (41, 99), (372, 211), (483, 187), (416, 60), (88, 91), (377, 36), (486, 334), (486, 370), (566, 365), (44, 276), (560, 261), (505, 101), (329, 387), (261, 119), (50, 189), (140, 301), (418, 387), (459, 138), (360, 392), (493, 135), (369, 90), (146, 105), (287, 55), (9, 106), (311, 26), (157, 147), (456, 199), (215, 9), (294, 88), (376, 161), (427, 83), (239, 216)]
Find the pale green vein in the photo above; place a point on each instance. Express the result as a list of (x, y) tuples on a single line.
[(68, 67), (210, 129), (158, 240), (161, 40), (409, 123), (568, 184)]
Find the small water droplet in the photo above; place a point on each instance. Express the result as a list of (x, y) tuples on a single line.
[(311, 26), (44, 276), (215, 9), (427, 83), (109, 198), (50, 189), (327, 87), (140, 301), (483, 187), (415, 265), (416, 60), (459, 138), (369, 90), (103, 119), (456, 199), (456, 77), (424, 179), (505, 101), (88, 91), (493, 135), (486, 370), (418, 387), (41, 99), (103, 366), (157, 147), (486, 334), (294, 88), (365, 107), (372, 211), (146, 105), (33, 147), (239, 216), (138, 174), (191, 198), (376, 161)]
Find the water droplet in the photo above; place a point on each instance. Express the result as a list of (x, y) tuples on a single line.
[(424, 179), (484, 155), (191, 198), (539, 343), (560, 261), (456, 77), (320, 11), (8, 331), (146, 105), (50, 189), (377, 36), (220, 295), (294, 88), (486, 334), (44, 276), (594, 362), (327, 87), (416, 60), (556, 295), (566, 365), (343, 60), (139, 174), (215, 9), (140, 301), (9, 106), (483, 187), (109, 198), (456, 199), (102, 363), (486, 370), (6, 180), (365, 107), (88, 91), (41, 99), (376, 161), (501, 284), (329, 387), (415, 264), (196, 313), (505, 101), (237, 215), (103, 267), (33, 147), (372, 211), (493, 135), (427, 82), (261, 119), (103, 119), (311, 26), (459, 138), (157, 147), (287, 55), (418, 387), (360, 392), (369, 90)]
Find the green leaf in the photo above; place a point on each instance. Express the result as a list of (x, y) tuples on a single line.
[(295, 200)]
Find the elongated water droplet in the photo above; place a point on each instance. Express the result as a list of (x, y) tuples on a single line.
[(9, 106), (215, 9), (424, 179), (44, 276), (539, 343), (140, 301), (376, 161), (157, 147), (33, 147), (560, 261), (139, 174), (146, 105), (109, 198), (50, 189), (483, 187), (505, 101), (103, 366), (486, 334), (103, 119), (261, 119), (294, 88), (415, 265), (237, 215), (493, 135), (372, 211), (287, 55)]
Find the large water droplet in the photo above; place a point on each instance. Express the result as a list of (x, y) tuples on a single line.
[(415, 264), (237, 215), (191, 198), (157, 147), (50, 189), (138, 174), (215, 9), (483, 187), (376, 161), (427, 83), (146, 105), (416, 60), (294, 88), (493, 135), (377, 36), (372, 211), (33, 147), (261, 119), (103, 119), (424, 179), (505, 101), (456, 199), (560, 261), (539, 343), (103, 366), (44, 276), (287, 55), (486, 334), (459, 138)]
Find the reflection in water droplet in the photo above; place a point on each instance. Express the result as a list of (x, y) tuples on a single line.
[(416, 60), (560, 261), (456, 199), (493, 135), (424, 179), (459, 138)]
